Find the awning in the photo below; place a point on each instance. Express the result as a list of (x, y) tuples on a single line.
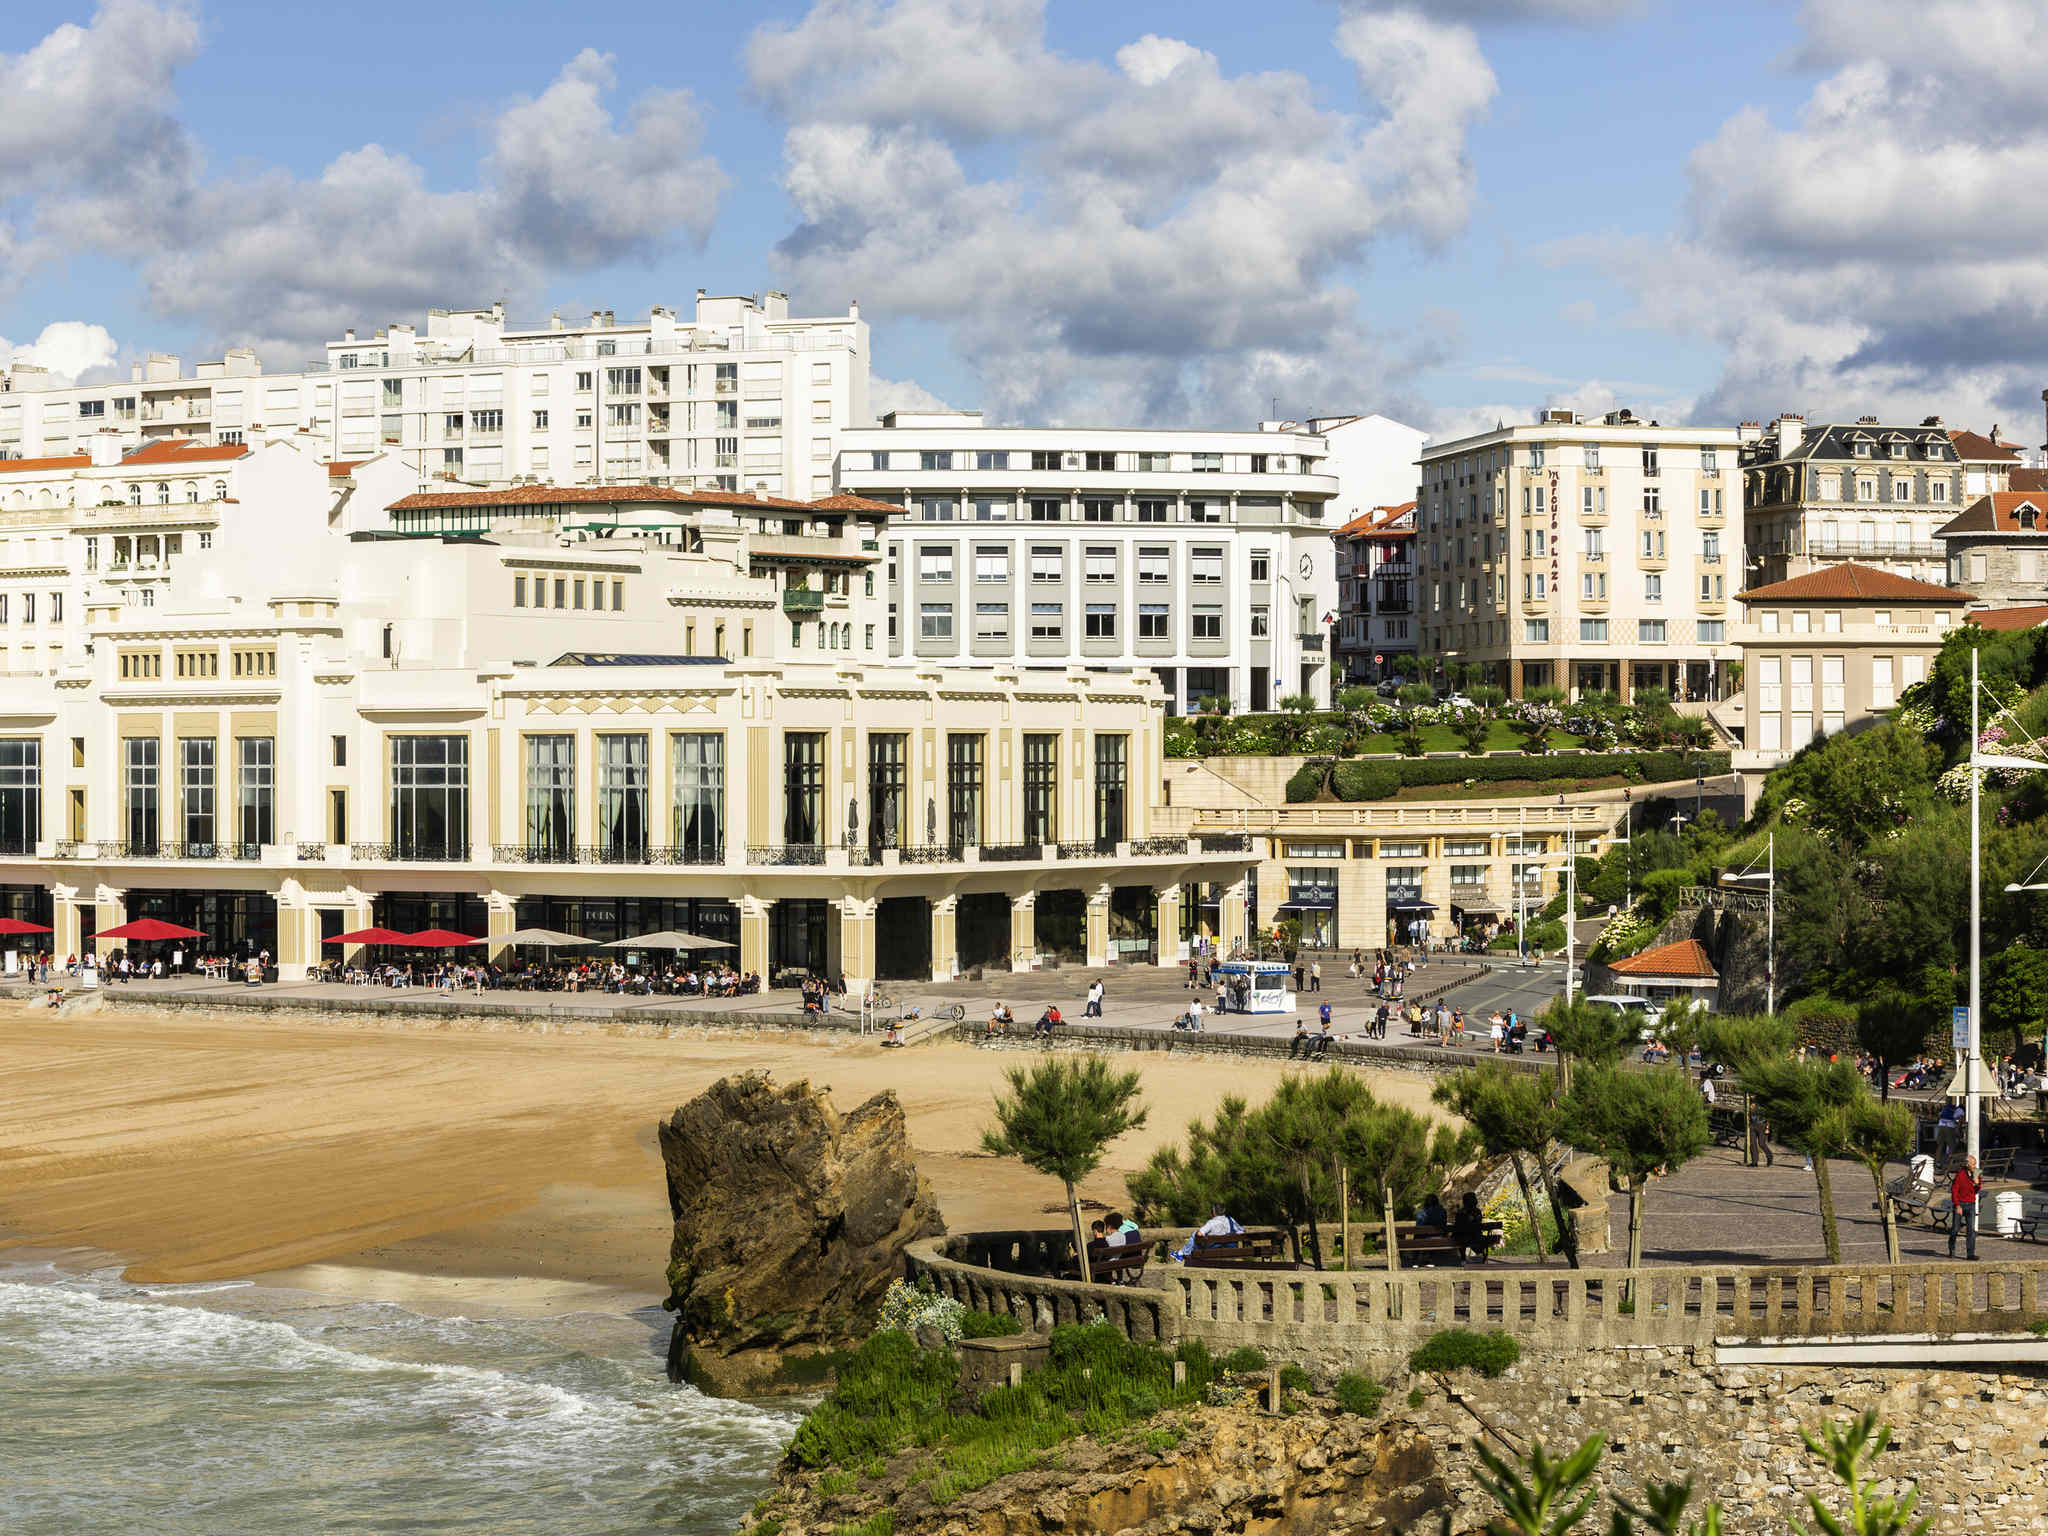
[(1411, 906), (1309, 906), (1479, 909)]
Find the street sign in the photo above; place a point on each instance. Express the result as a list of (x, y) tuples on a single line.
[(1961, 1037), (1378, 660)]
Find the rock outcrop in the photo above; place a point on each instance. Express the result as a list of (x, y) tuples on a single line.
[(790, 1222)]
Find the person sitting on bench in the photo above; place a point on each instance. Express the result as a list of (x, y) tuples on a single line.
[(1001, 1019), (1047, 1020), (1300, 1047), (1319, 1047), (1433, 1214), (1218, 1225), (1468, 1230)]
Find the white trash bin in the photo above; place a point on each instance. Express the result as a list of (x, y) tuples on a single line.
[(2005, 1212)]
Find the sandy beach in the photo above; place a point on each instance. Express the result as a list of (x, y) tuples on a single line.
[(454, 1168)]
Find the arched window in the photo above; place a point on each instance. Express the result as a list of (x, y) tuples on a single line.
[(163, 493), (191, 490), (134, 495), (220, 490)]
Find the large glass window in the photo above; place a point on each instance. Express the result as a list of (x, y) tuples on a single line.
[(196, 791), (255, 791), (1112, 783), (622, 795), (887, 751), (1041, 788), (21, 794), (550, 797), (430, 797), (963, 790), (803, 788), (140, 788), (699, 796)]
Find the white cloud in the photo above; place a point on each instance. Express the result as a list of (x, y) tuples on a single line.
[(1884, 253), (68, 348), (886, 395), (280, 262), (1160, 242)]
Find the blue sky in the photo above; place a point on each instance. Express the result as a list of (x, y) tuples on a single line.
[(1589, 259)]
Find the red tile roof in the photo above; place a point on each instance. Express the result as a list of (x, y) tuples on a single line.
[(848, 503), (2009, 618), (1975, 445), (1687, 958), (185, 450), (2023, 479), (1852, 583), (1378, 520), (44, 466), (1999, 512), (600, 495), (341, 471)]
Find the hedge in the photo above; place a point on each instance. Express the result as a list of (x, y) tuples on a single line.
[(1643, 767)]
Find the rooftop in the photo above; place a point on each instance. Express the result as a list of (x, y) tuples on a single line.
[(600, 495), (1687, 958), (1976, 446), (2009, 618), (1852, 583), (1378, 520), (2000, 512)]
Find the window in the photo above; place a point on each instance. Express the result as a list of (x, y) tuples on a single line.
[(1041, 787), (937, 509), (1112, 782), (1536, 455), (540, 421), (1099, 621), (1802, 621), (803, 788), (139, 793), (1593, 631), (992, 622), (550, 798), (888, 752), (1262, 623), (1882, 693), (1046, 509), (88, 409), (1262, 565), (494, 421), (518, 591), (1152, 511), (1048, 563), (1937, 490), (21, 794), (963, 790), (1593, 456), (935, 459), (1898, 450), (561, 591), (1710, 546), (1208, 623), (1536, 631), (990, 509), (1595, 543), (935, 562), (1902, 490), (1769, 623), (1653, 501), (622, 782), (1651, 631), (430, 797), (1096, 509), (1653, 588), (1206, 463), (935, 621), (1098, 563), (92, 554), (1048, 621), (163, 494), (984, 459), (992, 563), (1205, 567), (1866, 490), (1154, 621), (134, 495), (1045, 458), (698, 813), (1713, 631), (1155, 563), (1831, 621)]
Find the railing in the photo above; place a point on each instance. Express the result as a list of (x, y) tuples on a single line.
[(786, 853), (1011, 853), (608, 853), (1088, 848), (163, 850), (312, 853), (1225, 842), (1157, 847), (1722, 901), (1506, 818), (1850, 549), (930, 853), (410, 853)]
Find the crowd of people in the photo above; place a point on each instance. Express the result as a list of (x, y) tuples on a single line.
[(680, 979)]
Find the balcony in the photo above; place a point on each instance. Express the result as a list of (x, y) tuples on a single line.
[(1091, 848), (644, 854), (1857, 549), (802, 600), (1011, 853), (786, 854), (409, 853), (158, 849)]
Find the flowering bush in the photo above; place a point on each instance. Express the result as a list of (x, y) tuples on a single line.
[(906, 1309)]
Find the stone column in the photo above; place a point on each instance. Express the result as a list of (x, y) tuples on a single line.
[(65, 928), (1166, 925), (945, 944), (359, 913), (1024, 931), (1098, 926), (501, 916), (850, 928), (298, 932), (111, 907), (754, 937), (1230, 917)]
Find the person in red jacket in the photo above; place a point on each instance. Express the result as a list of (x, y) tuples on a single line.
[(1962, 1196)]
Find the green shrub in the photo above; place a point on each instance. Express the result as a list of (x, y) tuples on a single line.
[(1416, 1397), (1306, 783), (1359, 1394), (1357, 779), (1461, 1349), (1242, 1361), (988, 1325), (1295, 1379), (1546, 935)]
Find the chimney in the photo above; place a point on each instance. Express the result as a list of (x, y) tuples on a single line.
[(1932, 421), (349, 334), (555, 321), (105, 448)]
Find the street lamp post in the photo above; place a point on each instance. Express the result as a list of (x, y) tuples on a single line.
[(1769, 881)]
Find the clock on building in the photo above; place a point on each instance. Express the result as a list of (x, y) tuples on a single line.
[(1308, 566)]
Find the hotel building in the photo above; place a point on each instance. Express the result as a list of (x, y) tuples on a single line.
[(278, 699), (1583, 554), (1376, 620)]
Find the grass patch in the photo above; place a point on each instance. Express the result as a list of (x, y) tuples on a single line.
[(812, 1370), (881, 1523), (1160, 1441), (1461, 1349), (1242, 1361), (1416, 1397), (989, 1325), (833, 1484), (893, 1395)]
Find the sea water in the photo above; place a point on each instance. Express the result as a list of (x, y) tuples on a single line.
[(232, 1408)]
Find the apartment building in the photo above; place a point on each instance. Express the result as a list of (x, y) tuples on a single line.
[(1376, 622), (741, 397), (1876, 494), (608, 717), (1824, 652), (1582, 554), (1372, 457), (1204, 558), (1997, 549)]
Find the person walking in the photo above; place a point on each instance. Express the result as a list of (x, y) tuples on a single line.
[(1963, 1191), (1315, 976)]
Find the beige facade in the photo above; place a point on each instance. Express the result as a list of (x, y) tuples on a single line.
[(1827, 652), (1583, 554)]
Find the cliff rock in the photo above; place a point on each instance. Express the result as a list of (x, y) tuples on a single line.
[(790, 1222)]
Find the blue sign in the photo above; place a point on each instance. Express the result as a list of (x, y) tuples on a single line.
[(1961, 1036)]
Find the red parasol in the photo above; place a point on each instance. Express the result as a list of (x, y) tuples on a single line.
[(438, 938), (144, 928), (372, 936), (12, 925)]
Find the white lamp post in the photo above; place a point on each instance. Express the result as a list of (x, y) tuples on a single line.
[(1768, 878)]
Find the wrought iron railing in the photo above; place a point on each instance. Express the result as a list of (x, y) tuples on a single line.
[(1011, 853), (607, 853), (1154, 847), (410, 853), (312, 853), (164, 850), (929, 853), (16, 847), (1087, 848), (1226, 842), (785, 853)]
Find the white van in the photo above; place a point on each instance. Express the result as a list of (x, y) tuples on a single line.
[(1641, 1009)]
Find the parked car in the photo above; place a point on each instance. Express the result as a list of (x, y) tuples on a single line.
[(1388, 687), (1456, 701), (1630, 1006)]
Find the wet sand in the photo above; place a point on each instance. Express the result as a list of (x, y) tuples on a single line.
[(454, 1169)]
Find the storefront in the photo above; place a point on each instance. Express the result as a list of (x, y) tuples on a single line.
[(1312, 898)]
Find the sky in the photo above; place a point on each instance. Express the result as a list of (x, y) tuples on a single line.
[(1451, 211)]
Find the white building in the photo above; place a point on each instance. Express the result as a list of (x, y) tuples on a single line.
[(1583, 554), (742, 397), (1372, 457), (1203, 557)]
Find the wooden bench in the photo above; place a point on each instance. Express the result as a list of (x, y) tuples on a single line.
[(1240, 1250), (1726, 1126), (1435, 1245), (1114, 1263), (1915, 1198)]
